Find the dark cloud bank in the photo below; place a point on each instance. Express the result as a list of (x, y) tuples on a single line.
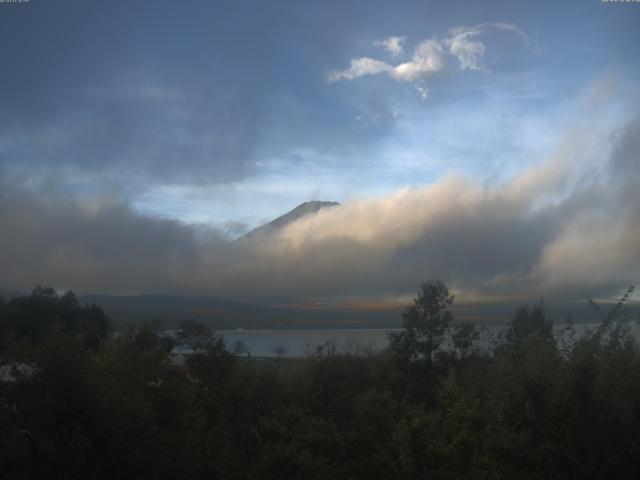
[(490, 243), (163, 93)]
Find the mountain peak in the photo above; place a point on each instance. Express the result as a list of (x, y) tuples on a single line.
[(302, 210)]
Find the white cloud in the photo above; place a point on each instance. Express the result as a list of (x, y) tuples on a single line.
[(463, 43), (422, 90), (427, 59), (467, 50), (393, 45), (359, 68)]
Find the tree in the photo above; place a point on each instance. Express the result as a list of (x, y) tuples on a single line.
[(194, 335), (33, 318), (529, 323), (424, 324), (240, 348), (464, 338)]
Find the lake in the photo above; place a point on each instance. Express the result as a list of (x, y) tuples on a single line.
[(296, 343)]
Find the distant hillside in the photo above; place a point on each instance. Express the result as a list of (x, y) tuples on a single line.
[(170, 310), (227, 314), (302, 210), (9, 294), (224, 314)]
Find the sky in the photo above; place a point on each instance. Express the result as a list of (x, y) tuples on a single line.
[(490, 144)]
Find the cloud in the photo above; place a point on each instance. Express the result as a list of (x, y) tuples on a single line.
[(393, 45), (145, 110), (139, 130), (359, 68), (467, 50), (429, 56), (463, 43), (427, 59), (496, 241), (423, 91), (100, 245)]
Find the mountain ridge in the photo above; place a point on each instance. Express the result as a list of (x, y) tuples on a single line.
[(302, 210)]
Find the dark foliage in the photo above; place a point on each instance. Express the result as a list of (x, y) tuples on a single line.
[(33, 318), (439, 403)]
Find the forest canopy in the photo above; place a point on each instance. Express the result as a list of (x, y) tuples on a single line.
[(81, 401)]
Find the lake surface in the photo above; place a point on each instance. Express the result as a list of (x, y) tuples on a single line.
[(296, 343)]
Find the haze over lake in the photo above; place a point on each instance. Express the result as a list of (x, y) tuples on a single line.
[(299, 343)]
